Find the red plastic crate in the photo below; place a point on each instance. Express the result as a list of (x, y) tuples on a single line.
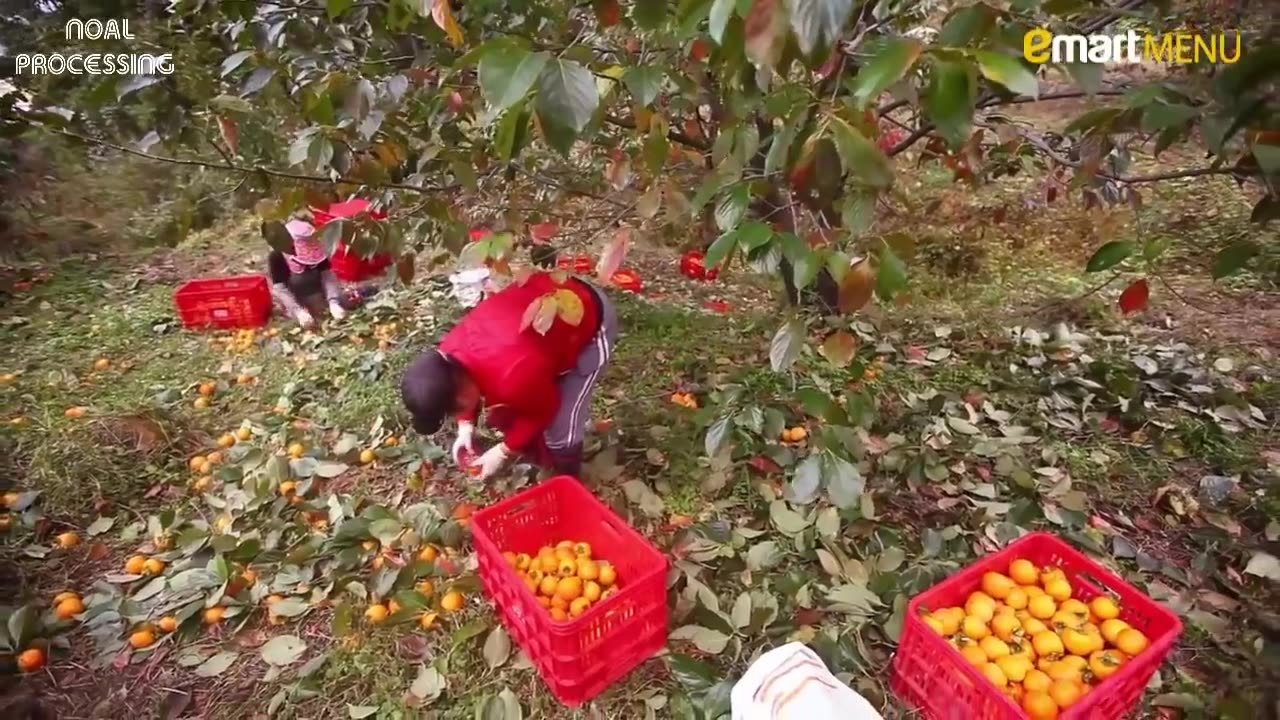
[(350, 267), (934, 677), (577, 659), (231, 302)]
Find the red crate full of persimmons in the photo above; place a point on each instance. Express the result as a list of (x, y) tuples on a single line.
[(1037, 630), (582, 593)]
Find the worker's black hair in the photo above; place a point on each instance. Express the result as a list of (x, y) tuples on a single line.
[(428, 389)]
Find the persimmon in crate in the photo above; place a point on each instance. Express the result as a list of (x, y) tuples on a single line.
[(1036, 631), (565, 579), (560, 530)]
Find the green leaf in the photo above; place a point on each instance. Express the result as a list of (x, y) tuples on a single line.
[(1087, 75), (966, 24), (1268, 157), (655, 145), (712, 642), (497, 648), (136, 83), (1092, 119), (1233, 257), (429, 684), (511, 709), (506, 74), (1161, 115), (334, 8), (644, 83), (721, 11), (99, 526), (234, 61), (1109, 255), (721, 250), (230, 103), (694, 675), (216, 665), (818, 23), (853, 599), (466, 632), (786, 344), (806, 482), (732, 207), (290, 607), (386, 529), (887, 67), (805, 267), (283, 650), (844, 482), (512, 131), (891, 275), (949, 98), (649, 14), (861, 157), (764, 556), (257, 80), (639, 494), (717, 436), (23, 625), (1009, 72), (567, 95), (788, 521)]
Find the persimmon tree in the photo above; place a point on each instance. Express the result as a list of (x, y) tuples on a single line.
[(768, 132)]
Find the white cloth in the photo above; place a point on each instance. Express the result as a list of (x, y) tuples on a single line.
[(792, 683), (469, 286)]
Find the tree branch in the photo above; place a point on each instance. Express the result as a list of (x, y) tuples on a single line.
[(245, 169), (988, 102), (672, 134), (1130, 179)]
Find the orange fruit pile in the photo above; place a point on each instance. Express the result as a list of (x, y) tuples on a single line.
[(565, 578), (684, 399), (795, 434), (1029, 635)]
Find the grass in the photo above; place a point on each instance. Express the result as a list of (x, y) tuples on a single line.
[(143, 427)]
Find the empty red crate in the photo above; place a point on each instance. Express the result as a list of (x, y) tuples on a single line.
[(932, 675), (577, 659), (231, 302)]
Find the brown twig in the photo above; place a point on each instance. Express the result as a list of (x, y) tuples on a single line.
[(232, 167), (672, 134)]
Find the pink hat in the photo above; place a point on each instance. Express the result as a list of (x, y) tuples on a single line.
[(307, 250)]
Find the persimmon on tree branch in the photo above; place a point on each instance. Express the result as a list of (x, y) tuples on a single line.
[(245, 169)]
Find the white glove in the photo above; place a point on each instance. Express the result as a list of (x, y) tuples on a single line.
[(304, 318), (491, 461), (464, 441), (336, 311)]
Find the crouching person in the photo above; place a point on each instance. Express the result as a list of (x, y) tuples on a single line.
[(534, 387), (302, 282)]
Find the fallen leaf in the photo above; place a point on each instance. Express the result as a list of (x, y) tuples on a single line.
[(1264, 565)]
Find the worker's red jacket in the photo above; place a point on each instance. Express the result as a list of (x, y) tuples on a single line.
[(516, 370)]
